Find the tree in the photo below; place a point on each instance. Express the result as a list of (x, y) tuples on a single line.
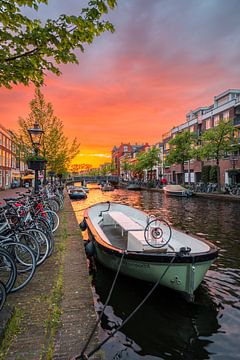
[(147, 160), (54, 146), (107, 169), (30, 47), (181, 149), (218, 142), (126, 167)]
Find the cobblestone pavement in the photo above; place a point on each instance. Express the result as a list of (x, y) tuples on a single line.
[(54, 313)]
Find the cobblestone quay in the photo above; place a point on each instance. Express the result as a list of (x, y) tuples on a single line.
[(53, 315)]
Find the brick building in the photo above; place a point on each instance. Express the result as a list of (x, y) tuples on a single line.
[(225, 106), (123, 152), (11, 168)]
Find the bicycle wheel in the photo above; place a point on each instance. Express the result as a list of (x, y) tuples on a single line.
[(53, 219), (8, 269), (54, 204), (22, 255), (30, 241), (44, 225), (3, 295), (43, 242)]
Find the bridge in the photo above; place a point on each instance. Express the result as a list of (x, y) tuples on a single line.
[(114, 179)]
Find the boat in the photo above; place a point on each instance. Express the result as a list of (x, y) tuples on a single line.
[(77, 193), (107, 187), (85, 188), (134, 186), (152, 250), (177, 190)]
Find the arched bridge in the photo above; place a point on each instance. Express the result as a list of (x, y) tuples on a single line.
[(114, 179)]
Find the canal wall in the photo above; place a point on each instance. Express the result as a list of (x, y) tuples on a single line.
[(53, 315)]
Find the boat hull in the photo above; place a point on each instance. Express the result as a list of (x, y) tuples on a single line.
[(77, 196), (181, 276), (115, 230)]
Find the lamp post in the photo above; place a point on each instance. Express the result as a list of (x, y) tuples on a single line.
[(233, 161), (35, 135)]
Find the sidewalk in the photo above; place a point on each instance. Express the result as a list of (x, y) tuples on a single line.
[(54, 313)]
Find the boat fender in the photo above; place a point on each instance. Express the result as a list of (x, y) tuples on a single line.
[(83, 225), (184, 251), (90, 249)]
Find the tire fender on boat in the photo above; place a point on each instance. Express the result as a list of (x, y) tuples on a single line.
[(83, 225), (90, 248)]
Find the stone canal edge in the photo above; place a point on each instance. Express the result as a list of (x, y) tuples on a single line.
[(53, 315)]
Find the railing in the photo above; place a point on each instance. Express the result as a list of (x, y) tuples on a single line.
[(94, 179)]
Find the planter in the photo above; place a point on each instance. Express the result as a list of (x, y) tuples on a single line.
[(36, 164)]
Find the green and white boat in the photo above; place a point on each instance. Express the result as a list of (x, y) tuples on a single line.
[(153, 251)]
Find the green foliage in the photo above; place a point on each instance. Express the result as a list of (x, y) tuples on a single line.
[(213, 173), (147, 160), (182, 148), (30, 47), (55, 147), (107, 169), (205, 173), (218, 141)]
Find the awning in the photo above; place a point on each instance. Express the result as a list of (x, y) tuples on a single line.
[(28, 177)]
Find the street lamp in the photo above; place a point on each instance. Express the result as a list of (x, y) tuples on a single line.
[(35, 135)]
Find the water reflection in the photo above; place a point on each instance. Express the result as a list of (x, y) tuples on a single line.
[(163, 327), (166, 327)]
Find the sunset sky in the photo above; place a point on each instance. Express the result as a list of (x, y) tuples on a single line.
[(165, 58)]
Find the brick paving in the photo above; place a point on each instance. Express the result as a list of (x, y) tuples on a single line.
[(36, 337)]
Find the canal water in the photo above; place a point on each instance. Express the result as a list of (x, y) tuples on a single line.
[(167, 327)]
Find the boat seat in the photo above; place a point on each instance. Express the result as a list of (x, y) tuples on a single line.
[(137, 242), (125, 222)]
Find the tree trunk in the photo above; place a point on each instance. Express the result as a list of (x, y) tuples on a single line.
[(183, 175), (218, 177)]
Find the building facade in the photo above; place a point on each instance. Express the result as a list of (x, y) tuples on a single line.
[(225, 106), (11, 167)]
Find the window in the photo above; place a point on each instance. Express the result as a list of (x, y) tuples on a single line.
[(216, 120), (226, 115), (125, 148), (208, 124)]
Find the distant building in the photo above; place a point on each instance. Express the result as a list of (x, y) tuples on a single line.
[(123, 152)]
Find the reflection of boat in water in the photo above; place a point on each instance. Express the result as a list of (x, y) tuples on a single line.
[(164, 325), (176, 190), (134, 186), (152, 250)]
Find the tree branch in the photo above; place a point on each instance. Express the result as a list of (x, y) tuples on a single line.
[(30, 52)]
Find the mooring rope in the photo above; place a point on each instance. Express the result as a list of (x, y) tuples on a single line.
[(84, 356)]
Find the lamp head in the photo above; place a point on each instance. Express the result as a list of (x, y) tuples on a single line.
[(35, 135)]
